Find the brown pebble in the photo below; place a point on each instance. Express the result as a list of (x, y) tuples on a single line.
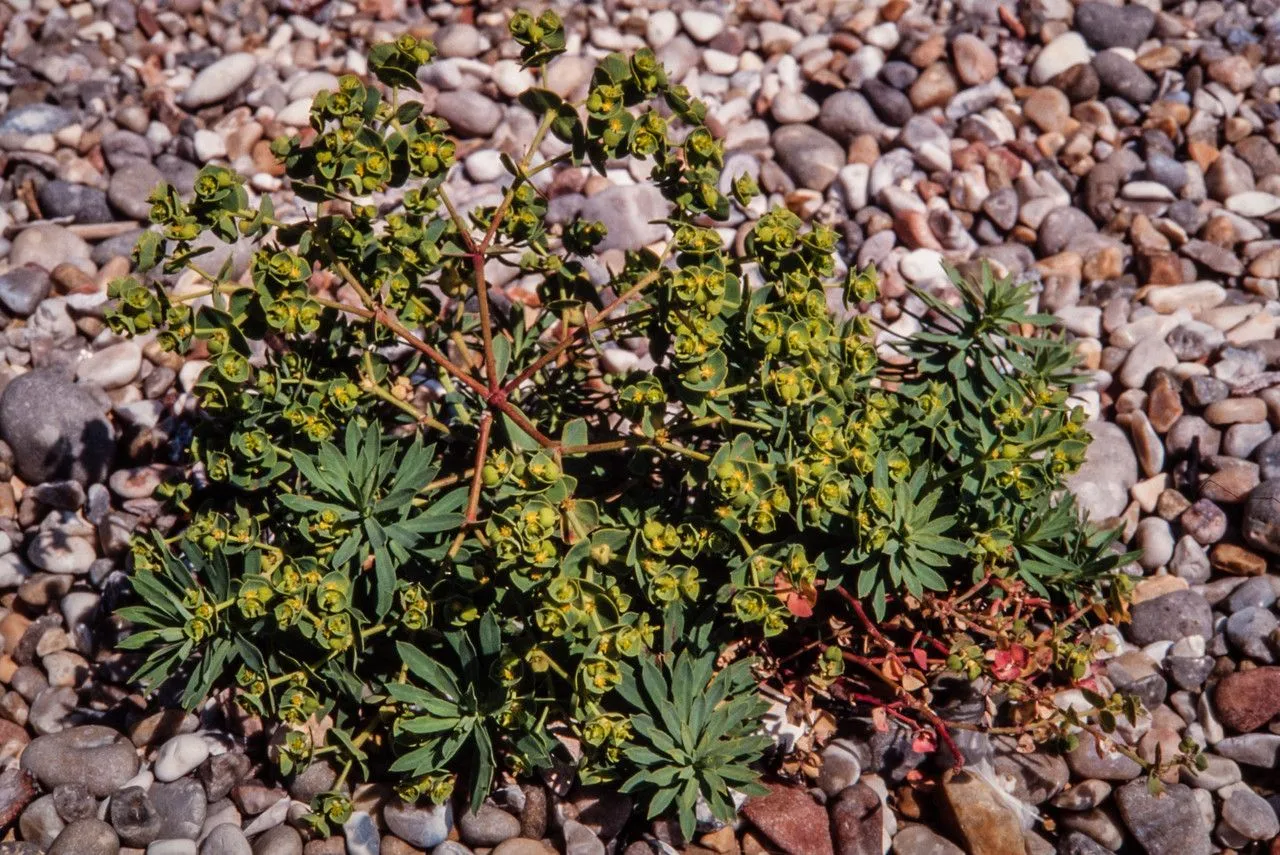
[(1236, 560), (1233, 411)]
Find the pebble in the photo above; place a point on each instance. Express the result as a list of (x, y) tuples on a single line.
[(1106, 26), (226, 839), (1065, 51), (487, 827), (361, 834), (425, 826), (130, 188), (811, 157), (1146, 356), (56, 552), (48, 245), (35, 118), (627, 214), (702, 26), (219, 80), (111, 367), (180, 756), (1249, 630), (92, 755), (1170, 617), (1250, 815), (86, 837), (1122, 77), (1261, 521), (469, 113), (974, 60), (1168, 823), (280, 840), (22, 289), (1251, 749), (133, 815)]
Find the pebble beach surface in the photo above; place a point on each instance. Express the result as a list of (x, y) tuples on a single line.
[(1122, 157)]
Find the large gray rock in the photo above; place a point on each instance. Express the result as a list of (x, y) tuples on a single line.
[(469, 113), (86, 837), (57, 430), (215, 82), (35, 119), (626, 212), (130, 188), (809, 156), (1101, 486), (1170, 822), (1261, 523), (1170, 617), (97, 757), (1107, 26), (22, 289), (65, 199), (48, 245)]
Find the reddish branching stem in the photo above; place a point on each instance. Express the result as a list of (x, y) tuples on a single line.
[(482, 450), (920, 708)]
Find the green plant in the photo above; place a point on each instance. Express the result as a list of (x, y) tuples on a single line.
[(694, 734), (395, 605)]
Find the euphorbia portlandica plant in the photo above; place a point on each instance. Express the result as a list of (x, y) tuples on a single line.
[(430, 528)]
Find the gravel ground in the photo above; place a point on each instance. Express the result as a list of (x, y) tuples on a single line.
[(1123, 157)]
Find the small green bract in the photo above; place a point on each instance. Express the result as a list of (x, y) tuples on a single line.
[(430, 536)]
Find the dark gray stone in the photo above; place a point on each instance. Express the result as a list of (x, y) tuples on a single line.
[(134, 817), (1107, 26), (36, 119), (1123, 77), (56, 429), (22, 289), (1170, 822), (182, 806), (97, 757), (1170, 617), (221, 772), (1261, 523), (65, 199), (73, 802), (86, 837)]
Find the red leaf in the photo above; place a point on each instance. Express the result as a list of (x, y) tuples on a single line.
[(1008, 664), (922, 661), (799, 606), (924, 742)]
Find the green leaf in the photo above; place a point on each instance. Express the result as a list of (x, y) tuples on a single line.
[(429, 670)]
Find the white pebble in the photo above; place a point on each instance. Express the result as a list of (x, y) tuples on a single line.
[(209, 146), (179, 756), (661, 28), (701, 26)]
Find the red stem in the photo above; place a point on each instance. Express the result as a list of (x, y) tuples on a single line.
[(548, 357), (482, 450)]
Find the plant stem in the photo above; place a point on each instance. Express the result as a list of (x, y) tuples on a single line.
[(676, 448), (486, 325), (499, 401), (393, 323), (586, 328), (458, 223), (482, 450), (421, 417)]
